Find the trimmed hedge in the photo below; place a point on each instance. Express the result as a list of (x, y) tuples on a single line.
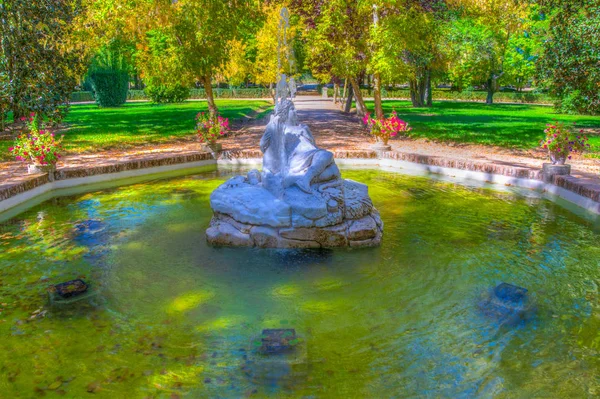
[(164, 94), (110, 87), (136, 95), (81, 96), (232, 93), (195, 94), (500, 97)]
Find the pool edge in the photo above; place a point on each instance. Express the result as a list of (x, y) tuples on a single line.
[(387, 162)]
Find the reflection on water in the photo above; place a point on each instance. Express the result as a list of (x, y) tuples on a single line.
[(174, 317)]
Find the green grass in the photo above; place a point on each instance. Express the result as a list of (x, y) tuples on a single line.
[(511, 126), (93, 129)]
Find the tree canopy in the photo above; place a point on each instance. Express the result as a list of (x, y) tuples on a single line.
[(39, 66)]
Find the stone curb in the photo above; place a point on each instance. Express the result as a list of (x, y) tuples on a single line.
[(570, 183), (582, 187)]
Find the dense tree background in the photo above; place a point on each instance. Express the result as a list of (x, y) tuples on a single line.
[(48, 47), (39, 68), (570, 64)]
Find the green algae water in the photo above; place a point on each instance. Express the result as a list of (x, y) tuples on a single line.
[(172, 317)]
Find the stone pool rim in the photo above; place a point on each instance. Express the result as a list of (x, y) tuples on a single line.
[(569, 188)]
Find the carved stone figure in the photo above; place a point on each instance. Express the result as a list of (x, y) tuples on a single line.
[(299, 200)]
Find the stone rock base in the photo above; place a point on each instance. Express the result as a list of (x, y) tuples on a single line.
[(366, 231)]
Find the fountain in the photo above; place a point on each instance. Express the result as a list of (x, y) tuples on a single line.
[(299, 200)]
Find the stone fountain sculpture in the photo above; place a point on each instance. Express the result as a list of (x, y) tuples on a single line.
[(299, 200)]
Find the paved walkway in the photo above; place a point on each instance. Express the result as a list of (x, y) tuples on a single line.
[(332, 129)]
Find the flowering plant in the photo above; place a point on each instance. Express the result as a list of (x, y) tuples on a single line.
[(210, 128), (38, 145), (385, 128), (561, 141)]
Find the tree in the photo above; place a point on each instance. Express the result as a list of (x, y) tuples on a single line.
[(109, 73), (338, 40), (522, 55), (410, 46), (189, 40), (479, 40), (239, 67), (178, 42), (269, 42), (570, 62), (39, 67)]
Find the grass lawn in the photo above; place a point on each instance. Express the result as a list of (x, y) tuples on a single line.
[(513, 126), (92, 129)]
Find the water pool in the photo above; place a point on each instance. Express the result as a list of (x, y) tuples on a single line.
[(176, 318)]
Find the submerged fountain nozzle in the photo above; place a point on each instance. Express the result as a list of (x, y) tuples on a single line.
[(508, 303)]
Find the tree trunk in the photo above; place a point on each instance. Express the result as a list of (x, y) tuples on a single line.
[(272, 93), (361, 109), (417, 92), (210, 99), (336, 92), (428, 91), (350, 93), (490, 91), (377, 96)]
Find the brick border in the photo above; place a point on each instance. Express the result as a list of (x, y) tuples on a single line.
[(578, 186)]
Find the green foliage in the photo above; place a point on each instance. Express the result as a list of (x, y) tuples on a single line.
[(472, 51), (467, 95), (233, 93), (570, 60), (81, 96), (194, 94), (39, 67), (110, 87), (167, 94), (480, 41), (137, 95), (5, 98), (409, 45), (338, 39)]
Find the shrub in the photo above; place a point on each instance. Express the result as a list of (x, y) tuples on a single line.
[(233, 93), (574, 103), (167, 94), (136, 95), (110, 87), (467, 95), (81, 96), (38, 146)]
